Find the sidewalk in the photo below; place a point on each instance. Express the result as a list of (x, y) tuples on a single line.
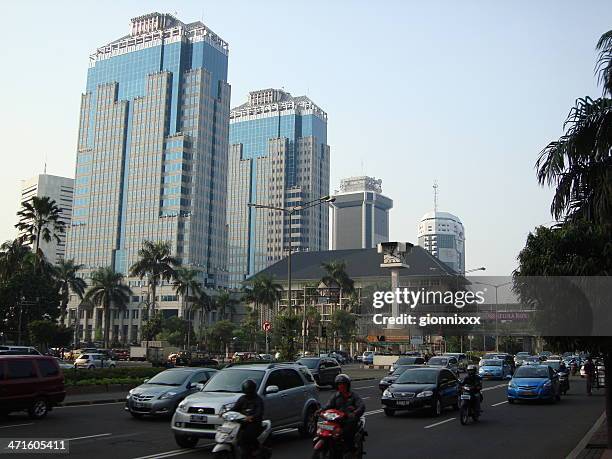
[(593, 445)]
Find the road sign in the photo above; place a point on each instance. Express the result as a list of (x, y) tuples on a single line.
[(267, 326)]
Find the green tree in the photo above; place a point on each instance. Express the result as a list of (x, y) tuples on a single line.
[(65, 274), (156, 262), (42, 333), (285, 329), (226, 305), (223, 332), (336, 273), (250, 334), (189, 288), (174, 330), (344, 325), (39, 219), (204, 304), (263, 292), (108, 291), (153, 327)]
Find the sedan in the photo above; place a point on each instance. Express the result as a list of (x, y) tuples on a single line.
[(161, 394), (534, 382), (422, 388), (323, 370), (407, 360), (391, 378), (494, 369), (449, 363)]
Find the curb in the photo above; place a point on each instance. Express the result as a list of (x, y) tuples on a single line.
[(91, 402), (582, 444)]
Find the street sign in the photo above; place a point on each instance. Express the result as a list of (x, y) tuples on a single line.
[(267, 326)]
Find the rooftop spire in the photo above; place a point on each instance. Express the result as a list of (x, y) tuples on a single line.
[(435, 188)]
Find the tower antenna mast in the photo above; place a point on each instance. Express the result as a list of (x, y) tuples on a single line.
[(435, 188)]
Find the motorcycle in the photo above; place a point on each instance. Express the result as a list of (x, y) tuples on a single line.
[(467, 406), (573, 367), (227, 438), (564, 384), (329, 441)]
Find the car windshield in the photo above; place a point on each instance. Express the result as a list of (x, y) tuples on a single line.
[(170, 378), (531, 372), (231, 379), (309, 363), (418, 376), (399, 370), (368, 353), (522, 354), (553, 364), (437, 361), (492, 363), (406, 360)]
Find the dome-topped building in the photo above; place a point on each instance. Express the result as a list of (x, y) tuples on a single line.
[(442, 234)]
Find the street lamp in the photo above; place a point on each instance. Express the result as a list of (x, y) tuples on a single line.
[(496, 287), (290, 211)]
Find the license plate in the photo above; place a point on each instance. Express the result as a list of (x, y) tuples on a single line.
[(528, 392), (465, 397), (199, 418), (403, 402), (140, 405)]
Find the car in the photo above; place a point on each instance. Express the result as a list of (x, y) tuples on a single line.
[(385, 382), (245, 356), (502, 356), (534, 382), (288, 391), (323, 370), (342, 357), (444, 362), (462, 359), (519, 357), (91, 361), (121, 354), (545, 354), (34, 383), (64, 365), (494, 369), (268, 357), (368, 358), (20, 350), (532, 360), (192, 359), (426, 388), (160, 395), (406, 360)]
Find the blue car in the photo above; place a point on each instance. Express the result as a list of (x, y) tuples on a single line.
[(534, 382), (494, 369)]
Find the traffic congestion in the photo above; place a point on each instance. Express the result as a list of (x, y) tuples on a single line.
[(330, 404)]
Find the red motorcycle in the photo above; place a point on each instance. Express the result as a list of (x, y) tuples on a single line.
[(329, 440)]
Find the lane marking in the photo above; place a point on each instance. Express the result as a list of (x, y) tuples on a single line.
[(175, 452), (494, 387), (17, 425), (368, 413), (500, 403), (89, 436), (365, 398), (439, 423), (365, 387), (89, 406)]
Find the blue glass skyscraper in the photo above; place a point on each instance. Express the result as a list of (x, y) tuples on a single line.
[(152, 153), (279, 157)]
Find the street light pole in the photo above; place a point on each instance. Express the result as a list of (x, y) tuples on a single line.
[(496, 287), (289, 211)]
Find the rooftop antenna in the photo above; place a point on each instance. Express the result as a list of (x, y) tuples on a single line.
[(45, 169), (435, 188)]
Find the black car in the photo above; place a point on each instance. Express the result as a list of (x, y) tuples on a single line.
[(422, 388), (390, 379), (407, 360), (324, 369)]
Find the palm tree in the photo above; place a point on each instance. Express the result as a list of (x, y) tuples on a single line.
[(579, 163), (204, 304), (108, 291), (65, 273), (40, 219), (14, 255), (264, 292), (87, 307), (226, 304), (186, 283), (156, 262), (336, 273)]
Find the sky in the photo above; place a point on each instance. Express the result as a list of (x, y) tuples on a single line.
[(462, 93)]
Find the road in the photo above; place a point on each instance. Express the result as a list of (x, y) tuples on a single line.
[(519, 430)]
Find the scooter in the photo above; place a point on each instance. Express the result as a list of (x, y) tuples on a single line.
[(328, 442), (227, 438), (467, 407)]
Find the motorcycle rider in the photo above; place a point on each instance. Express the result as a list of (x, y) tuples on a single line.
[(349, 402), (473, 380), (252, 406)]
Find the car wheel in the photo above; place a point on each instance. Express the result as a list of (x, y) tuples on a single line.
[(38, 409), (389, 412), (222, 455), (309, 427), (91, 367), (436, 409), (111, 366), (186, 441)]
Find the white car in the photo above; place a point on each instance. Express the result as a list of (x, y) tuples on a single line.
[(92, 361)]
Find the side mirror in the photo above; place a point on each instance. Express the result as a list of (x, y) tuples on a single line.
[(146, 380), (508, 377), (272, 389), (199, 386)]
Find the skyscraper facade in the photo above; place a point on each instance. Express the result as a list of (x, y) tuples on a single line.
[(278, 156), (360, 214), (60, 190), (152, 152), (442, 234)]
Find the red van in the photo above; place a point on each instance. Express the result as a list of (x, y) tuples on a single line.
[(34, 383)]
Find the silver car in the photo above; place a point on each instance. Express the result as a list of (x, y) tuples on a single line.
[(92, 361), (161, 394), (444, 362), (288, 391)]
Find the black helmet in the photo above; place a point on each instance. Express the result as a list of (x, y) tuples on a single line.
[(249, 387), (342, 379), (471, 370)]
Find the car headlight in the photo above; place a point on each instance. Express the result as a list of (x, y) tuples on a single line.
[(182, 407), (547, 385), (225, 408), (511, 385), (387, 394), (425, 393), (167, 395)]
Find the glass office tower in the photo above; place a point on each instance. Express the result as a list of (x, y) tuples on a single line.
[(152, 154), (279, 157)]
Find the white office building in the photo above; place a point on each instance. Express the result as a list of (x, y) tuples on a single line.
[(442, 234)]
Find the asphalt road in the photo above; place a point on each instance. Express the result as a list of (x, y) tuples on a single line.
[(519, 430)]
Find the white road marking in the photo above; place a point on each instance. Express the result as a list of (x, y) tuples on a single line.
[(500, 403), (494, 387), (16, 425), (89, 436), (365, 398), (368, 413), (364, 387), (439, 423), (89, 405), (175, 452)]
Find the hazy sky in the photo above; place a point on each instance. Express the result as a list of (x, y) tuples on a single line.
[(466, 93)]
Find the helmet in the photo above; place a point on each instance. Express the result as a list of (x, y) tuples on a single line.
[(471, 370), (249, 387), (342, 379)]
